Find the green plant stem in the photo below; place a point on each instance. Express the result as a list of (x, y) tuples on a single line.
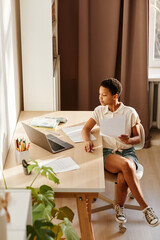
[(35, 179), (4, 180)]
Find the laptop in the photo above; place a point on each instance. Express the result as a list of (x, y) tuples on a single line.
[(48, 142)]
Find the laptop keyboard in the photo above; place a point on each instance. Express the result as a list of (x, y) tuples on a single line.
[(55, 146)]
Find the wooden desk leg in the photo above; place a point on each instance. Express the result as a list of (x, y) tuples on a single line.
[(84, 214)]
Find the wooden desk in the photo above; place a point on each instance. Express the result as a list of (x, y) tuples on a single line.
[(83, 184)]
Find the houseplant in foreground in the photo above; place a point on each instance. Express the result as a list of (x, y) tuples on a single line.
[(44, 210)]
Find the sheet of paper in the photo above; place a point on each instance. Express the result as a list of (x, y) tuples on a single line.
[(75, 133), (112, 127), (61, 164)]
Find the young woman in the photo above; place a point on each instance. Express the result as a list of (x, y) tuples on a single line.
[(118, 152)]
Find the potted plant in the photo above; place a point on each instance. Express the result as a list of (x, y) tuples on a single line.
[(44, 210)]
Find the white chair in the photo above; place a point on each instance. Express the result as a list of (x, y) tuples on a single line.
[(113, 178)]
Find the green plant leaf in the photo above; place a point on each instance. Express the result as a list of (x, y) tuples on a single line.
[(37, 211), (41, 211), (43, 223), (44, 198), (49, 173), (48, 169), (44, 188), (54, 212), (32, 166), (57, 231), (41, 230), (46, 195), (65, 212), (37, 170), (53, 178), (30, 232), (34, 191), (44, 173), (68, 230)]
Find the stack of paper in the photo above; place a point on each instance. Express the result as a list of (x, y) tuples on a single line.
[(113, 127), (75, 133), (61, 164)]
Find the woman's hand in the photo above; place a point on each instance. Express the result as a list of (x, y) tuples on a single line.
[(89, 146), (125, 138)]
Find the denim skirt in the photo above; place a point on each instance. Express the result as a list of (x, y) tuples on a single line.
[(127, 153)]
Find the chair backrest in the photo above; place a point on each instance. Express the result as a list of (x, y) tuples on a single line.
[(141, 144), (139, 171)]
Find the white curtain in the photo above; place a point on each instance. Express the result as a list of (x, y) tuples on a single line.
[(9, 79)]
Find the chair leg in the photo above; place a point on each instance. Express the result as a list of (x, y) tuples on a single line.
[(115, 192), (130, 195), (112, 203), (122, 228), (99, 209), (132, 207), (107, 200)]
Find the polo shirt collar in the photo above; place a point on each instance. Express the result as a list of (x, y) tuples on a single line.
[(118, 109)]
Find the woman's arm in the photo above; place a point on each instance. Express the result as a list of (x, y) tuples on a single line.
[(136, 137), (86, 134)]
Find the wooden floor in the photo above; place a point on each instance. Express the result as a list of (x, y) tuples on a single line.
[(104, 224)]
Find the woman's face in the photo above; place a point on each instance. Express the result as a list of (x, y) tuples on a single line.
[(106, 97)]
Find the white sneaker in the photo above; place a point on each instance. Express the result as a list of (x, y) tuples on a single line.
[(150, 216), (120, 216)]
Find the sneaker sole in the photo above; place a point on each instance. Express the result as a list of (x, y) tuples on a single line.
[(120, 221), (151, 225), (154, 225)]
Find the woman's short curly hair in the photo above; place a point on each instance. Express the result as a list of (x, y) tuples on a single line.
[(114, 86)]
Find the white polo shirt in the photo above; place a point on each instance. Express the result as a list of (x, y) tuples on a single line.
[(131, 116)]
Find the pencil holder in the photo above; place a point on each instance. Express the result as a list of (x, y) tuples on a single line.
[(22, 156)]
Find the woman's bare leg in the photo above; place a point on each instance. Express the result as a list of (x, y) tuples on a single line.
[(122, 189), (115, 163)]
